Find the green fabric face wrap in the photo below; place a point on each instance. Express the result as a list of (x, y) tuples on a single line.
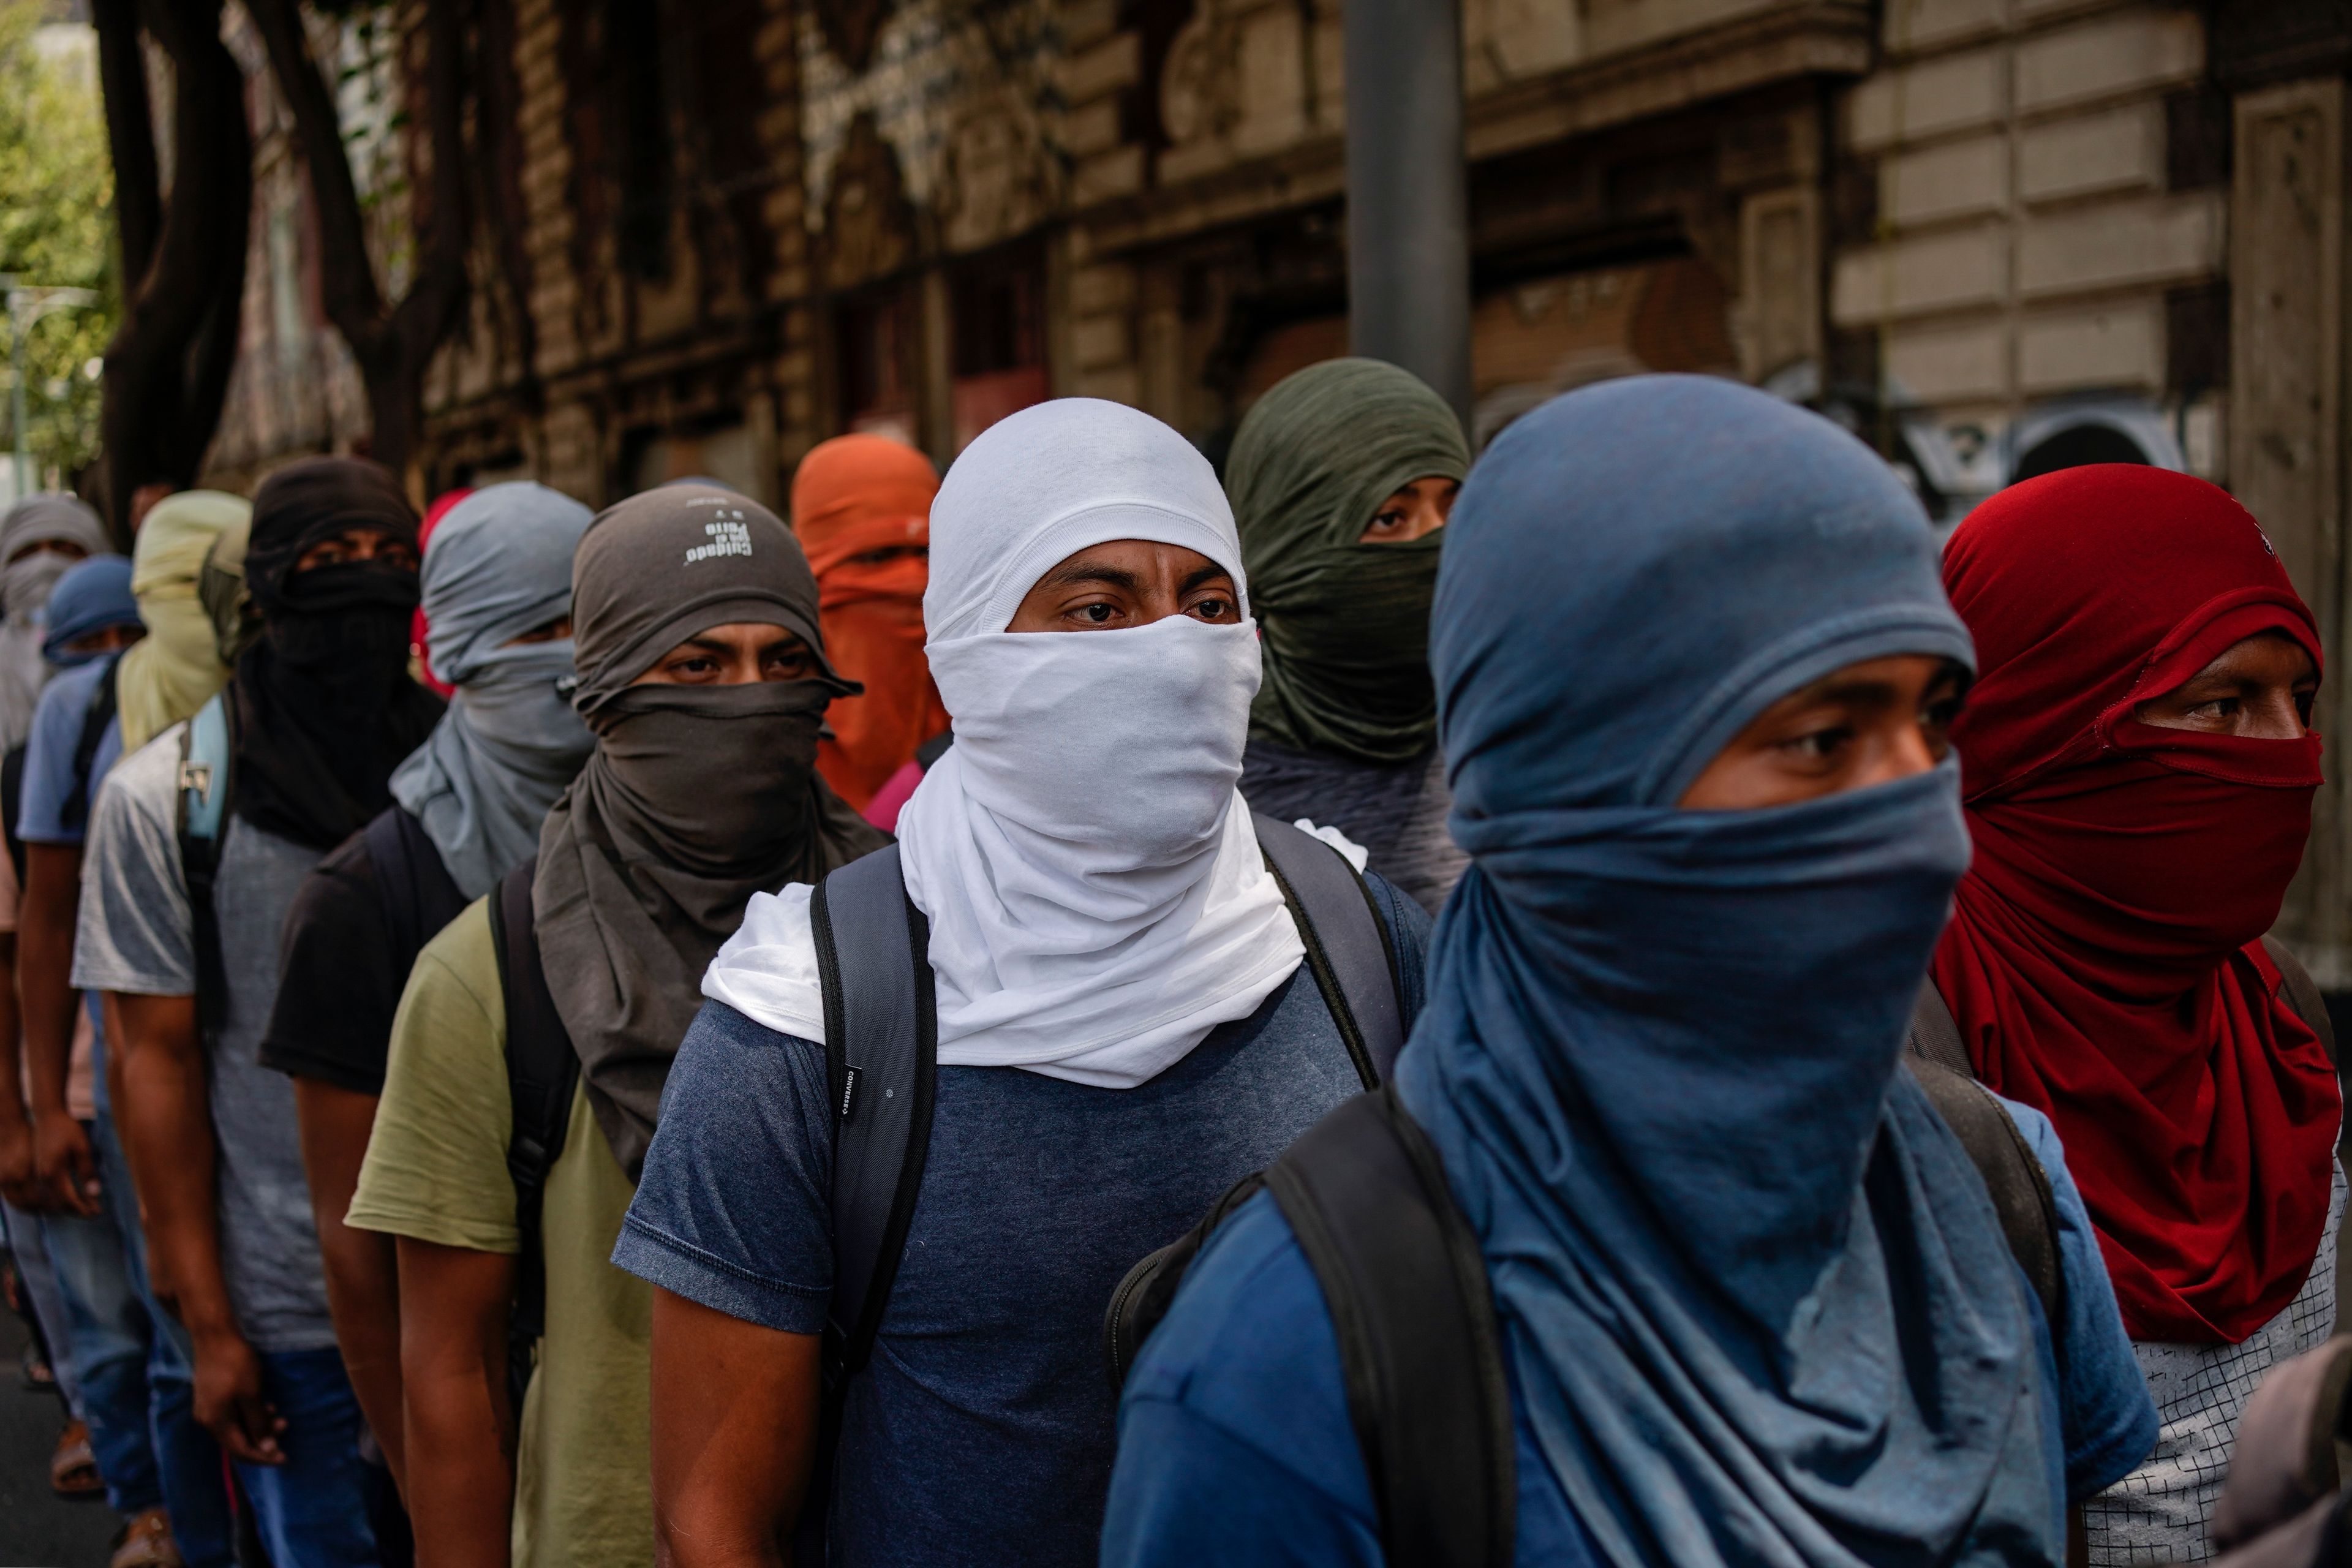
[(1344, 625)]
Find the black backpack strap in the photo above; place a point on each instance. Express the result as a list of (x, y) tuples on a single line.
[(542, 1069), (931, 751), (1349, 950), (1406, 1285), (414, 886), (1935, 1034), (74, 810), (881, 1033), (2300, 992), (12, 801), (2020, 1189)]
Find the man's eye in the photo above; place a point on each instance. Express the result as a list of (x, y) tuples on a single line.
[(1095, 615), (1213, 609), (1388, 520), (1819, 745)]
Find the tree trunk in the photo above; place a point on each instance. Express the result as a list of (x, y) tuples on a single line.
[(392, 344), (167, 369)]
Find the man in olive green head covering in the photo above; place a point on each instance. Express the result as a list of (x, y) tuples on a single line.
[(1340, 479)]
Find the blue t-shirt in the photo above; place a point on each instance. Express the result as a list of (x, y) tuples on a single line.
[(48, 782), (982, 1430), (1236, 1447), (49, 755)]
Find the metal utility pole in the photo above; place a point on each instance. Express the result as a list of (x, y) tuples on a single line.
[(1408, 197), (28, 304)]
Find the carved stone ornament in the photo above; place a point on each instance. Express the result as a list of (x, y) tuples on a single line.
[(851, 28), (997, 178), (869, 230)]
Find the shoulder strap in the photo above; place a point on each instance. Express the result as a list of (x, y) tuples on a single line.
[(542, 1069), (208, 778), (12, 801), (2299, 991), (1348, 946), (2020, 1189), (74, 810), (1403, 1274), (881, 1031), (418, 894), (1935, 1034)]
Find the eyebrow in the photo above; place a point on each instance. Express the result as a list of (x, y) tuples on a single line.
[(1071, 573), (1206, 574)]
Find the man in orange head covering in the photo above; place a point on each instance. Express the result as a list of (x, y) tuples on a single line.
[(861, 506)]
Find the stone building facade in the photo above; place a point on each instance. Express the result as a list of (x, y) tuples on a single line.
[(1992, 236)]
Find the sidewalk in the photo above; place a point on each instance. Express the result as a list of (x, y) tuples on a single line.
[(37, 1529)]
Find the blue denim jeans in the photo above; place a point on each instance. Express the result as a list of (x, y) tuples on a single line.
[(22, 1232), (321, 1508), (111, 1339), (189, 1468)]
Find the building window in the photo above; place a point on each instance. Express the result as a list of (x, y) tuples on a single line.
[(998, 306), (874, 347)]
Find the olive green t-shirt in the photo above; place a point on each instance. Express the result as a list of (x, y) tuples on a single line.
[(436, 1170)]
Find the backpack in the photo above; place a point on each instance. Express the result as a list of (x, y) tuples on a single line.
[(208, 781), (1404, 1280), (412, 881), (74, 810)]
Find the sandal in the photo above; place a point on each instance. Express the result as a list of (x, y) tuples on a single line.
[(33, 1372), (146, 1543), (73, 1467)]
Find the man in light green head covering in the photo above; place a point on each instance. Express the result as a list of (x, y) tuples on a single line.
[(1340, 478)]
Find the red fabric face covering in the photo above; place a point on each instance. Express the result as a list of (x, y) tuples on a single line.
[(862, 495), (2103, 959)]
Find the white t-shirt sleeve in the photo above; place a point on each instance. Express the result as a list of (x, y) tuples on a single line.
[(135, 932)]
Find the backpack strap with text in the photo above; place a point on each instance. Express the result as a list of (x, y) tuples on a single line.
[(542, 1070), (207, 783)]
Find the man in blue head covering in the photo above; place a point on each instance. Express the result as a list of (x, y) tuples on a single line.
[(1694, 670), (497, 582)]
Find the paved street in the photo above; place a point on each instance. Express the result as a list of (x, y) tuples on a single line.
[(36, 1529)]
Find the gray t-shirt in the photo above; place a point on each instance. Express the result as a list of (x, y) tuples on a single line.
[(136, 936)]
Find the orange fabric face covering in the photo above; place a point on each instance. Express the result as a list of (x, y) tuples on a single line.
[(861, 507)]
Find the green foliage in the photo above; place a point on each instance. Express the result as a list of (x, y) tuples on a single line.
[(56, 227)]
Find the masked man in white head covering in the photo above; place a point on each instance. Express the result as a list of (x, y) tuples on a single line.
[(497, 584), (40, 539), (1123, 1022)]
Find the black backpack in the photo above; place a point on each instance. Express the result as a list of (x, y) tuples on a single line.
[(75, 809), (1403, 1276)]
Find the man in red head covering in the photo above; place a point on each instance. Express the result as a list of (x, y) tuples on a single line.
[(2138, 770), (861, 506)]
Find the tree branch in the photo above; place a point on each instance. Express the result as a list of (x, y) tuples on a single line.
[(129, 135)]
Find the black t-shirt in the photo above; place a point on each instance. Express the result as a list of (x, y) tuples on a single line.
[(351, 938)]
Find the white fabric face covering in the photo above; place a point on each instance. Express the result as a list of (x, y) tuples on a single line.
[(1096, 898)]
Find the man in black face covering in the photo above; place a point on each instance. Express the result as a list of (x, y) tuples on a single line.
[(702, 676), (179, 929)]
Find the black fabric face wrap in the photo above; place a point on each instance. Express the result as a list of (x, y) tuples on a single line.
[(325, 708), (696, 797)]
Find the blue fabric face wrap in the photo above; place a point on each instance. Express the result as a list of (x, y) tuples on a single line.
[(499, 566), (94, 595), (1759, 1307)]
